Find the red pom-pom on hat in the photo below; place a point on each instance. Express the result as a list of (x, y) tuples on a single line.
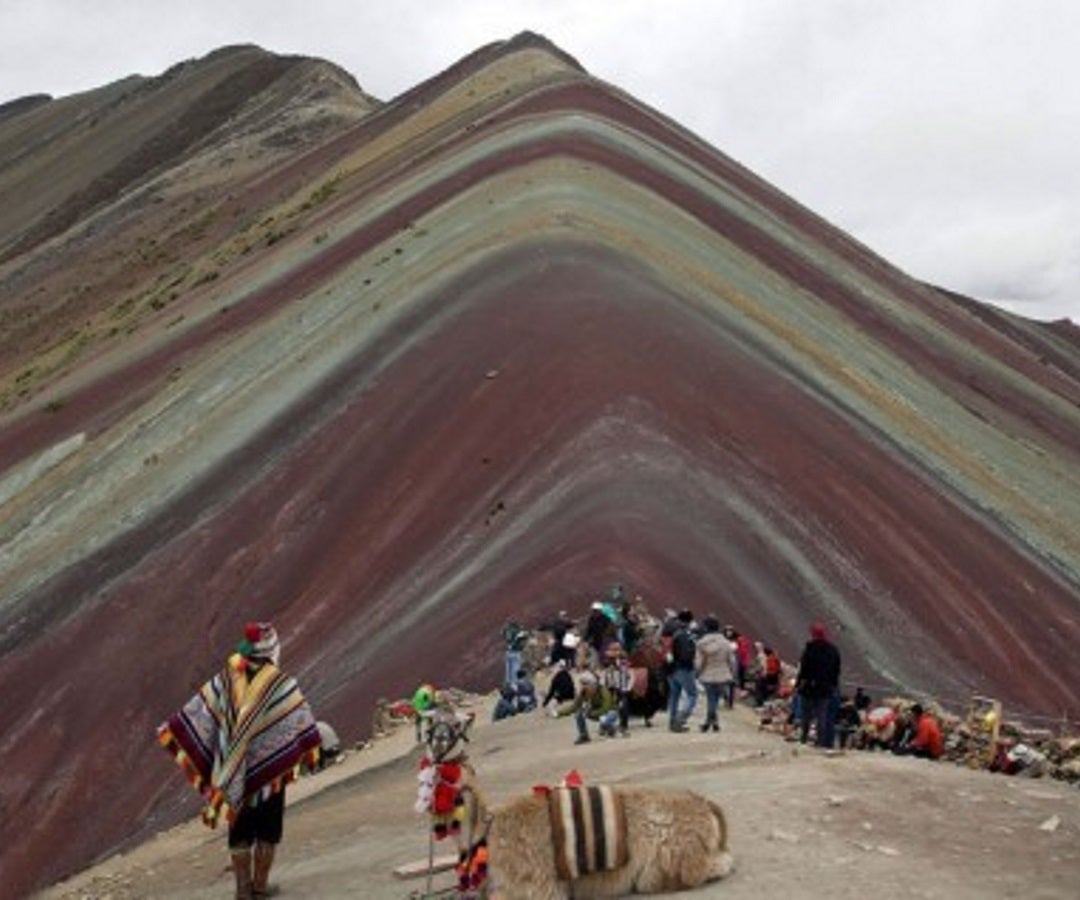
[(253, 631)]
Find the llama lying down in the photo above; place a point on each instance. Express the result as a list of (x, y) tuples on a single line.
[(598, 841)]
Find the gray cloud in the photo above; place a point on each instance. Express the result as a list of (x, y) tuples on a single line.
[(944, 136)]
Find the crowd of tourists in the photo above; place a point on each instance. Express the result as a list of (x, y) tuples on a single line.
[(618, 662)]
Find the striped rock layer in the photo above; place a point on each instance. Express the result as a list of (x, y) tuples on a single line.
[(388, 374)]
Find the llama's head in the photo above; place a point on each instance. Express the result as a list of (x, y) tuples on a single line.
[(446, 732)]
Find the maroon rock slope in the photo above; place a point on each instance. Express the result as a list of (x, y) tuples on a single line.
[(387, 374)]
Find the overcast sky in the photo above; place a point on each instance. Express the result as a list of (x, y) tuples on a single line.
[(944, 135)]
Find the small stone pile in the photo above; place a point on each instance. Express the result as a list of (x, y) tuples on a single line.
[(389, 715)]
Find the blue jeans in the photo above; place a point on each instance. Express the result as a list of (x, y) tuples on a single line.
[(831, 712), (513, 663), (822, 712), (682, 680), (714, 690), (605, 722), (580, 718)]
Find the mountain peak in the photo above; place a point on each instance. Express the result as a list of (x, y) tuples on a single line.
[(390, 374)]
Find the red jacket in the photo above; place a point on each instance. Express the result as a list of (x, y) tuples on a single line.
[(744, 649), (928, 736)]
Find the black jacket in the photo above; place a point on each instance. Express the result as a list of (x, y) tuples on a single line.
[(561, 689), (819, 669)]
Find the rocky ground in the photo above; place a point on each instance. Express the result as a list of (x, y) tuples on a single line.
[(803, 823)]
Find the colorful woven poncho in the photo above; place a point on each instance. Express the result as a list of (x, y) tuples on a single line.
[(245, 733)]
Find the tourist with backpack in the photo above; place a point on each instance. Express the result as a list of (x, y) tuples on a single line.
[(682, 676)]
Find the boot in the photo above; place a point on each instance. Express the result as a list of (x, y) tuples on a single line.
[(241, 864), (260, 883)]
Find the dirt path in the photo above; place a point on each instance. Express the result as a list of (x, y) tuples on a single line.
[(803, 824)]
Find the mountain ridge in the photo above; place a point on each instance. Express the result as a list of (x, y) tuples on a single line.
[(485, 350)]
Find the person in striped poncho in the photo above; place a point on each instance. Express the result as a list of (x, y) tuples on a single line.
[(240, 740)]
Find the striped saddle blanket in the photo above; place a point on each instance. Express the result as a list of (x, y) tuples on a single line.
[(588, 826)]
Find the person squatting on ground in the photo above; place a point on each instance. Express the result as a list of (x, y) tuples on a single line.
[(240, 739), (561, 689), (817, 685), (715, 664), (682, 676), (594, 701)]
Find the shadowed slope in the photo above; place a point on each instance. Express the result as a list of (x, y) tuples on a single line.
[(516, 338)]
